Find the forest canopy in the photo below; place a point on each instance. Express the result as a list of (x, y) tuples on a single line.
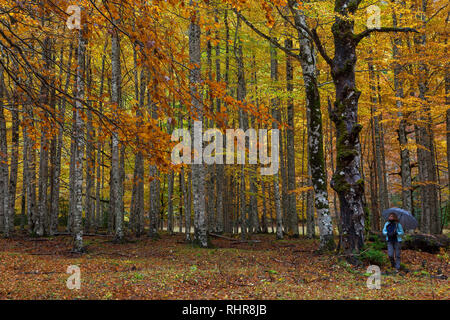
[(353, 93)]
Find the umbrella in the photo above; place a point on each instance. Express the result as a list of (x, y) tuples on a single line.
[(405, 218)]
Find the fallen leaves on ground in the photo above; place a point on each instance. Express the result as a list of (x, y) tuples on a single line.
[(168, 268)]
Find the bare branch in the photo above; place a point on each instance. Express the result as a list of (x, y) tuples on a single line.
[(272, 40), (367, 32)]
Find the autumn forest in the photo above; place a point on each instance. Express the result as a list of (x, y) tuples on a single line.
[(230, 149)]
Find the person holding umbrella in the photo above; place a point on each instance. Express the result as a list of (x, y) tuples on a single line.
[(393, 231), (398, 220)]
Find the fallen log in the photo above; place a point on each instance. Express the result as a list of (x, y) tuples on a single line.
[(430, 243), (234, 240)]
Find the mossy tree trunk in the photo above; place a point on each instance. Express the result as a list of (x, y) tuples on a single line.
[(347, 179)]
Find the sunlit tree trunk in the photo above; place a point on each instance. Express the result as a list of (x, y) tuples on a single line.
[(100, 150), (4, 203), (219, 167), (307, 58), (198, 169), (14, 162), (275, 115), (116, 179), (79, 146), (292, 208)]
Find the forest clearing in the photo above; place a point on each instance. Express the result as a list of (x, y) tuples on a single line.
[(171, 269), (224, 149)]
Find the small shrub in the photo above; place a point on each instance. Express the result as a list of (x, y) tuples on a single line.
[(374, 256)]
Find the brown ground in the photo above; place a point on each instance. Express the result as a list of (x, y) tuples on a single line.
[(170, 269)]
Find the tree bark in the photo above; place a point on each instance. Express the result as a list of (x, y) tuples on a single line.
[(79, 146), (275, 115), (116, 179), (198, 169)]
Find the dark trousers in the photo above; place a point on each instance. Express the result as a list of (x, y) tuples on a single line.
[(394, 250)]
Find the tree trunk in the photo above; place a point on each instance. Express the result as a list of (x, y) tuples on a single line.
[(56, 168), (315, 133), (407, 202), (292, 208), (347, 179), (79, 146), (116, 179), (430, 221), (14, 164), (275, 115), (219, 167), (198, 169), (4, 203)]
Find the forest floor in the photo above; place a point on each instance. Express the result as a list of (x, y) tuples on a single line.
[(35, 268)]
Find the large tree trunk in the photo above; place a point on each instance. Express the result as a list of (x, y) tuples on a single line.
[(315, 132), (347, 179)]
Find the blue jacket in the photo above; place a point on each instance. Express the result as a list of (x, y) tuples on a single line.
[(400, 231)]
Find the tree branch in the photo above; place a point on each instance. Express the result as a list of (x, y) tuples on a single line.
[(367, 32), (321, 49), (265, 36)]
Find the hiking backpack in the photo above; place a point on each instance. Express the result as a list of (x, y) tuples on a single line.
[(392, 231)]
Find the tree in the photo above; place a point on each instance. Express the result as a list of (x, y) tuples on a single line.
[(198, 169)]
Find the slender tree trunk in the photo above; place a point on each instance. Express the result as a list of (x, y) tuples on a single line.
[(116, 178), (292, 208), (310, 212), (100, 150), (56, 161), (25, 181), (79, 146), (198, 169), (44, 147), (379, 166), (402, 132), (275, 115), (170, 217), (4, 203), (219, 167), (430, 221)]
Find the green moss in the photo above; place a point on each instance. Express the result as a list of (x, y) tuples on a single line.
[(339, 183)]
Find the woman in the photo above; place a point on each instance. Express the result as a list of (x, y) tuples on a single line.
[(393, 231)]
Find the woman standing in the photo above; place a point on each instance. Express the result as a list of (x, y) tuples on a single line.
[(393, 231)]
